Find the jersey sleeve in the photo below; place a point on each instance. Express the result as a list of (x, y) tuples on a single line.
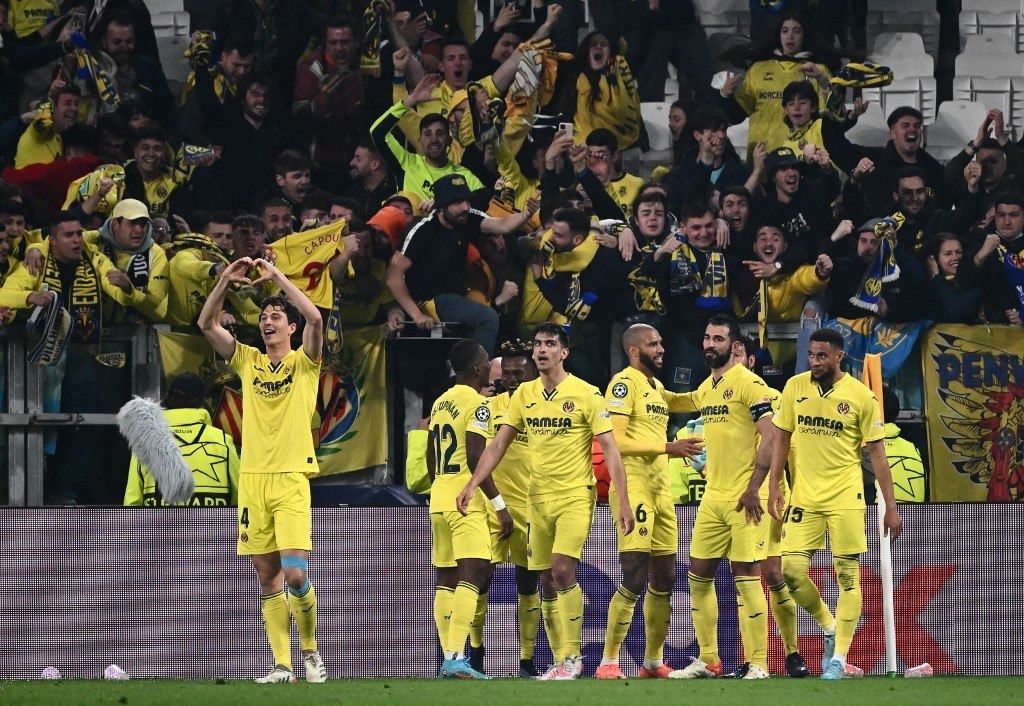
[(619, 396), (683, 401), (241, 358), (783, 418), (870, 418), (513, 416), (758, 399), (597, 412), (480, 421)]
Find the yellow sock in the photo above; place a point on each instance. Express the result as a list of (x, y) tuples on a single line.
[(476, 628), (657, 616), (620, 617), (529, 621), (754, 615), (303, 605), (278, 624), (795, 568), (850, 599), (443, 599), (784, 610), (553, 627), (570, 613), (704, 610), (463, 610)]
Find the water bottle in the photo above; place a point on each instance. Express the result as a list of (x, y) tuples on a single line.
[(701, 460)]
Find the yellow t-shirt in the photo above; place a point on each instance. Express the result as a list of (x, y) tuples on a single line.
[(35, 147), (632, 395), (731, 407), (359, 301), (828, 428), (561, 426), (27, 16), (624, 191), (278, 402), (458, 412), (512, 476)]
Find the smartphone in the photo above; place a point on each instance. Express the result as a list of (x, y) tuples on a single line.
[(566, 128)]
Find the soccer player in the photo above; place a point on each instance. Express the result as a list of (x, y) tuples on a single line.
[(826, 416), (561, 416), (512, 478), (279, 390), (639, 413), (736, 406), (460, 422), (783, 606)]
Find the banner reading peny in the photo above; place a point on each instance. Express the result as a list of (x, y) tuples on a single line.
[(974, 387)]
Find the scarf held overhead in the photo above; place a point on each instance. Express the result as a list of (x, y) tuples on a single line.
[(883, 267)]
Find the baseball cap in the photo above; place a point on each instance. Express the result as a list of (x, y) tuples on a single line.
[(781, 157), (449, 189), (132, 209)]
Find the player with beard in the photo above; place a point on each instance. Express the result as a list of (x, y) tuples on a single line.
[(639, 408), (423, 169), (736, 407), (279, 391), (827, 416), (561, 416), (428, 276)]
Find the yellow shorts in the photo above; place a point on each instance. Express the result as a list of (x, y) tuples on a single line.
[(657, 530), (274, 513), (458, 536), (774, 527), (511, 548), (719, 532), (805, 531), (558, 527)]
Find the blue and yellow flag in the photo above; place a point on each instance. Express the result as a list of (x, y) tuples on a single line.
[(891, 342)]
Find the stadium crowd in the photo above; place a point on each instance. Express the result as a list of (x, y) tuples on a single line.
[(482, 178)]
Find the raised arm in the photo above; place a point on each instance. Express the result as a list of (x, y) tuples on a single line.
[(510, 224), (313, 332), (209, 318)]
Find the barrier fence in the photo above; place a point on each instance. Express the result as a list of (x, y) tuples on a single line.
[(162, 593)]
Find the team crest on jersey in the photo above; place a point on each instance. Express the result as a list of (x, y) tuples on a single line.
[(843, 408), (244, 537), (483, 414), (620, 390), (727, 395), (568, 407)]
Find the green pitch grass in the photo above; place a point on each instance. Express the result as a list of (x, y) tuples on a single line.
[(508, 692)]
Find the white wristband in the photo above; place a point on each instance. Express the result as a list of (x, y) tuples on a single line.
[(498, 502)]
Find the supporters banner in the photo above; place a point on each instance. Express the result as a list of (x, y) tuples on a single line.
[(974, 387), (352, 405), (891, 342), (87, 587)]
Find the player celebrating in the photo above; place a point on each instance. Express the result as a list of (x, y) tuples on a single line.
[(639, 413), (279, 390), (561, 415), (736, 407), (459, 426), (783, 606), (512, 478), (827, 416)]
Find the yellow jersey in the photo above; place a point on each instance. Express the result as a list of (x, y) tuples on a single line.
[(458, 412), (624, 191), (731, 407), (560, 426), (278, 402), (631, 394), (512, 476), (828, 428)]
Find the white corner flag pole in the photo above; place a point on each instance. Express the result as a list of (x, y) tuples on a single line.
[(873, 379), (888, 608)]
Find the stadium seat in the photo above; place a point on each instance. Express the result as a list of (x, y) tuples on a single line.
[(655, 117), (870, 128), (161, 6), (724, 16), (172, 57), (956, 125), (898, 44), (914, 85), (911, 17), (996, 23), (991, 72), (991, 5), (171, 24), (737, 134)]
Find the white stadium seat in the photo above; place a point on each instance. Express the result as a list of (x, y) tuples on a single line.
[(724, 16), (737, 134), (992, 5), (957, 124), (898, 44), (171, 24), (885, 17), (992, 23), (991, 72), (655, 116), (870, 128), (172, 57), (914, 85)]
